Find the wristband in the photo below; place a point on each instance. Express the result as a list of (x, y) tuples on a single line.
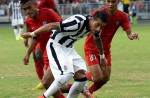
[(102, 56), (32, 34)]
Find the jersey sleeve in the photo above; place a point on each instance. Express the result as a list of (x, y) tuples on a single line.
[(126, 23), (50, 3), (71, 24)]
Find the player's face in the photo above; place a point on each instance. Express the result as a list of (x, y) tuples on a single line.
[(29, 9), (112, 4), (96, 25)]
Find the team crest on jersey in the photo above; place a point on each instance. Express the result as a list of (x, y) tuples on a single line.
[(39, 2), (44, 22), (117, 22)]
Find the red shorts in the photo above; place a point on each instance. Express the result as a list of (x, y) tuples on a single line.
[(45, 57), (94, 58)]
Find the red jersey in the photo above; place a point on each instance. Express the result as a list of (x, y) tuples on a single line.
[(45, 4), (115, 21), (44, 16)]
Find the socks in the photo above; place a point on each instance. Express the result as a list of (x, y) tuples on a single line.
[(57, 83), (20, 31), (76, 88), (89, 76), (60, 96), (96, 86), (16, 32), (39, 65)]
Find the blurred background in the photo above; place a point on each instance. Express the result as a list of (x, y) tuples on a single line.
[(140, 8)]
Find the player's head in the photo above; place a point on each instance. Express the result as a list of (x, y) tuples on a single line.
[(29, 7), (98, 21), (112, 4)]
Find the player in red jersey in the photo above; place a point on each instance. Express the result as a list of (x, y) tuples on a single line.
[(37, 18), (98, 74), (37, 54), (47, 4)]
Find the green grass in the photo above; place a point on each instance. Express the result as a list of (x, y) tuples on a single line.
[(130, 76)]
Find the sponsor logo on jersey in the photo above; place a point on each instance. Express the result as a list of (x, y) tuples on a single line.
[(44, 22), (39, 2), (117, 22)]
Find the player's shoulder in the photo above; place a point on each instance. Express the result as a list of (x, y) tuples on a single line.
[(28, 20)]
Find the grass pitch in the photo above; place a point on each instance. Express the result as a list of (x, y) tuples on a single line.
[(130, 76)]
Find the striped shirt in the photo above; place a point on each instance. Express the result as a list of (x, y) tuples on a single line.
[(16, 10), (72, 29)]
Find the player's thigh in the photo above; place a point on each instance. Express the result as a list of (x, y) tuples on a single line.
[(78, 62), (38, 52), (20, 22), (14, 22), (60, 59)]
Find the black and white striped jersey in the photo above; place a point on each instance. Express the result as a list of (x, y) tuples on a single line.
[(71, 30), (15, 9)]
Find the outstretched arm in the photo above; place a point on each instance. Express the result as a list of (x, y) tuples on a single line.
[(45, 28)]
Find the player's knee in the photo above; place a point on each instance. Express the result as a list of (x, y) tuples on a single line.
[(97, 79), (64, 78)]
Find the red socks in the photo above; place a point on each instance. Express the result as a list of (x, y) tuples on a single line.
[(60, 96), (39, 65)]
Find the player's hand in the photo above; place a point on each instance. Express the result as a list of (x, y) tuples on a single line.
[(26, 59), (103, 63), (25, 35), (133, 36), (26, 43)]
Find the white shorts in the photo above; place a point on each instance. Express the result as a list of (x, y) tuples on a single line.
[(64, 60), (16, 22)]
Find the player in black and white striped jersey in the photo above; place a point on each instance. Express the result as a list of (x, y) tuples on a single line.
[(16, 17), (65, 62)]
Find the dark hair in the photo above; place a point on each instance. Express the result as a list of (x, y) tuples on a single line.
[(101, 15), (25, 1)]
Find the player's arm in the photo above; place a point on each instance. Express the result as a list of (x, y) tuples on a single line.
[(32, 45), (44, 28), (99, 45), (132, 36), (56, 10), (8, 12)]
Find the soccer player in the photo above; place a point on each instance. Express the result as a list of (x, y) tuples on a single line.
[(16, 18), (65, 62), (38, 54), (117, 18), (37, 18), (47, 4)]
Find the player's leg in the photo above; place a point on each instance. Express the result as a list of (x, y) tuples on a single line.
[(39, 65), (21, 23), (62, 69), (98, 75), (14, 24), (80, 78)]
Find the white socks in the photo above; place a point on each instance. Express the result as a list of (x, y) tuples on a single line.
[(76, 88), (57, 83), (16, 32)]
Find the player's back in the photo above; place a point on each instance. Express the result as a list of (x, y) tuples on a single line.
[(72, 29)]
